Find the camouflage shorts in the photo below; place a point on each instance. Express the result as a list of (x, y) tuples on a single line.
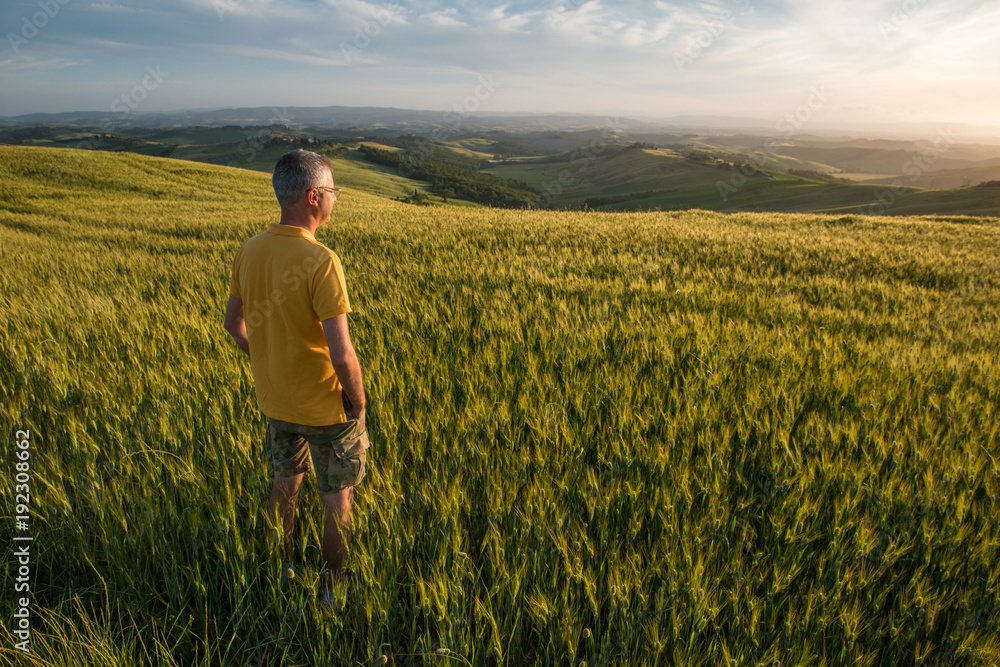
[(337, 452)]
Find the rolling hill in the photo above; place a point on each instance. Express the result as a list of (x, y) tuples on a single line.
[(630, 178), (609, 169)]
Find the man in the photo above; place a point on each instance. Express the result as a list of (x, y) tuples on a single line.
[(288, 311)]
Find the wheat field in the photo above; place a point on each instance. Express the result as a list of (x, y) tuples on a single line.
[(614, 439)]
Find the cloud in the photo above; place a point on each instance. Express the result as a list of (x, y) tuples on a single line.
[(34, 64), (447, 18), (296, 57), (518, 22), (258, 9), (118, 9), (362, 11), (758, 56)]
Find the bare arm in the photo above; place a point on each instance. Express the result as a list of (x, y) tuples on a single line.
[(345, 361), (235, 325)]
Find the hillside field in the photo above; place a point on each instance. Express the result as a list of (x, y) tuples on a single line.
[(685, 438), (607, 169), (661, 179)]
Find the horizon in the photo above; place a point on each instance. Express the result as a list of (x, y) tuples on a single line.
[(788, 126), (853, 65)]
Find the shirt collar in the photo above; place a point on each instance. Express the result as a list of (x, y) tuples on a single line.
[(288, 230)]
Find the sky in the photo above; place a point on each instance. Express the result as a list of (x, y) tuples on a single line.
[(821, 62)]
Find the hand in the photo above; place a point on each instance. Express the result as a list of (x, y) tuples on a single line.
[(349, 408)]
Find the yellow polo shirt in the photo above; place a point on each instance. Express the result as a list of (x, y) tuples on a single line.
[(289, 283)]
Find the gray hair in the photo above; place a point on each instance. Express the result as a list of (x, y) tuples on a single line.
[(296, 172)]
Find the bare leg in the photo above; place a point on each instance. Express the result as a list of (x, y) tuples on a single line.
[(336, 528), (284, 493)]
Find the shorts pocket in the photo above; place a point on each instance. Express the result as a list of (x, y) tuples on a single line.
[(344, 471)]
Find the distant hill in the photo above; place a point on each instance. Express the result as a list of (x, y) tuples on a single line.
[(605, 168), (625, 178), (455, 121), (331, 117)]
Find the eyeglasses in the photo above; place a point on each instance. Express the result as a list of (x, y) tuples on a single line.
[(320, 187)]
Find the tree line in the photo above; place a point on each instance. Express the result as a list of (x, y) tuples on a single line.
[(450, 181)]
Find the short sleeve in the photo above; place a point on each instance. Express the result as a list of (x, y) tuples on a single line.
[(234, 283), (329, 288)]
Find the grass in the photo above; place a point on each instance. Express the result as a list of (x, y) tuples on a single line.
[(949, 178), (673, 438), (477, 147), (662, 179), (655, 178)]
